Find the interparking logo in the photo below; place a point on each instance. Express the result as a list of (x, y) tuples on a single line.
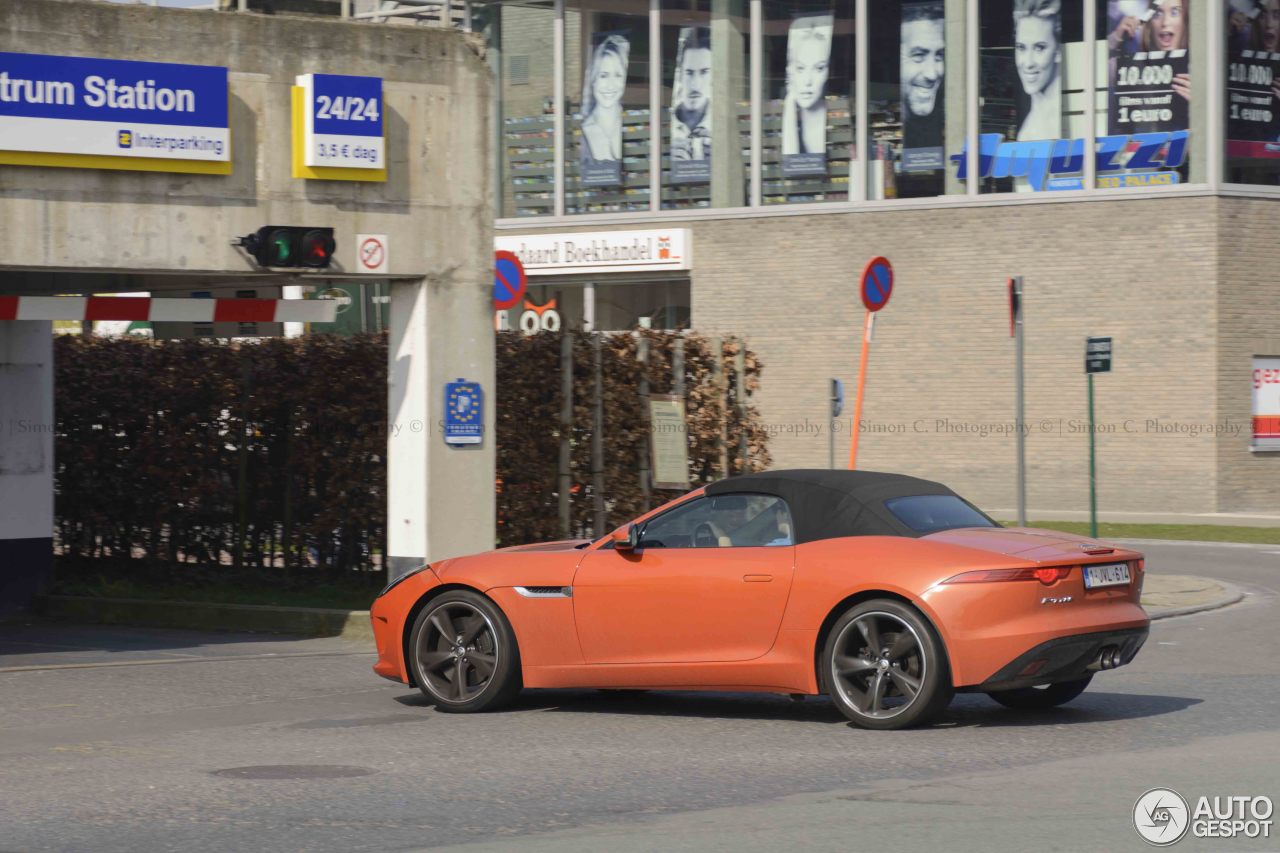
[(1161, 816), (124, 138)]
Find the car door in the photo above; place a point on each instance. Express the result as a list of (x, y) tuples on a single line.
[(709, 582)]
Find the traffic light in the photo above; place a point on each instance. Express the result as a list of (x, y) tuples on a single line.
[(291, 246)]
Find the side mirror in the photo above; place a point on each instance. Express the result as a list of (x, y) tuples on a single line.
[(628, 539)]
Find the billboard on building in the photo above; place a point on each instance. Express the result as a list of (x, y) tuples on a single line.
[(922, 67), (1253, 78), (804, 114), (1149, 88), (1037, 58), (605, 82), (691, 108)]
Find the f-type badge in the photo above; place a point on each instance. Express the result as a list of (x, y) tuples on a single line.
[(1065, 599)]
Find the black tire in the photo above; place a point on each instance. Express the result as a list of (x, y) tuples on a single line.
[(479, 673), (1041, 698), (872, 686)]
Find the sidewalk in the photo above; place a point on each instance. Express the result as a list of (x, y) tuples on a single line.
[(1177, 595)]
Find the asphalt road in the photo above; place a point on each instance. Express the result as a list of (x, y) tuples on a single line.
[(124, 740)]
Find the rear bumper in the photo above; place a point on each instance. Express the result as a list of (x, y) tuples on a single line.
[(1065, 659)]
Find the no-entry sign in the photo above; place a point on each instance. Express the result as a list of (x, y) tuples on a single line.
[(877, 283)]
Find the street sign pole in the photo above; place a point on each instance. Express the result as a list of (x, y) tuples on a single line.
[(1093, 478), (1097, 359), (877, 287), (837, 406), (862, 384), (1015, 309)]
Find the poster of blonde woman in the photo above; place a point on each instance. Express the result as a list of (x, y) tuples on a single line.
[(691, 108), (1037, 56), (600, 146), (804, 112), (1150, 81)]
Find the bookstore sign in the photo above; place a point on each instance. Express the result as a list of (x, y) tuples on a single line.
[(597, 252)]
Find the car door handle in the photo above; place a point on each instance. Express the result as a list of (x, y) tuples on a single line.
[(757, 578)]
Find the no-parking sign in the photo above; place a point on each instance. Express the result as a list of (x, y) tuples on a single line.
[(509, 281), (877, 283)]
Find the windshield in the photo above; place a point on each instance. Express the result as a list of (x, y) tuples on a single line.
[(932, 513)]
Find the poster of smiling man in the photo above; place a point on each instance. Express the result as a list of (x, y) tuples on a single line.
[(804, 114), (691, 108), (1253, 79), (922, 65), (1149, 66), (600, 146)]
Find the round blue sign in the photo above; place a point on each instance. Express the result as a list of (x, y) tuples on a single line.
[(509, 282), (877, 283)]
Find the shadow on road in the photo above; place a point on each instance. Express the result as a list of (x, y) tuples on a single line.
[(966, 710)]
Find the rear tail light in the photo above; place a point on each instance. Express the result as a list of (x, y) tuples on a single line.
[(1047, 576)]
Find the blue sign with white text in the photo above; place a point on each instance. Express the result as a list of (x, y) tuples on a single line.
[(463, 412), (113, 107), (346, 105), (342, 121)]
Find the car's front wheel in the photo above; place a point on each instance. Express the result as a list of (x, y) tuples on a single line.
[(463, 652), (885, 667), (1040, 698)]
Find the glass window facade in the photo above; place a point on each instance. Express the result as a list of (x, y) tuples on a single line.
[(722, 104)]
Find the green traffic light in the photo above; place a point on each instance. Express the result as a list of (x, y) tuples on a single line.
[(281, 249)]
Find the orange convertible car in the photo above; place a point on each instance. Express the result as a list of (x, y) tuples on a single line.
[(887, 592)]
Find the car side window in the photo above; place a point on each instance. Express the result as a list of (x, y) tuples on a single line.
[(722, 521)]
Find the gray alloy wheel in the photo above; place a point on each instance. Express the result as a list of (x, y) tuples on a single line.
[(885, 667), (464, 654)]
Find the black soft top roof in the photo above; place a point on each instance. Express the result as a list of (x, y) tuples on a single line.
[(827, 504)]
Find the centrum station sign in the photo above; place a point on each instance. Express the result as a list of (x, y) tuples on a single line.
[(114, 114), (596, 252)]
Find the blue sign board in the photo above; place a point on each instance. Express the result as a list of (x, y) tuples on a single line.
[(463, 412), (342, 121), (877, 284), (1122, 161), (112, 107)]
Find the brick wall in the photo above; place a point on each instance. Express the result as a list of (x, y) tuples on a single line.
[(1248, 315)]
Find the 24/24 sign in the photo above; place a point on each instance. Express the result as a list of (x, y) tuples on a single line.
[(342, 121)]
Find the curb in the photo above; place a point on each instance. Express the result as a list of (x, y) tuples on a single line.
[(1230, 595), (208, 616)]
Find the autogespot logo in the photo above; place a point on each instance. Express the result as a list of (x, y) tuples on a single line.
[(1161, 816)]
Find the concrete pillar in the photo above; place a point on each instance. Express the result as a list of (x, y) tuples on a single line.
[(956, 91), (728, 73), (440, 498), (26, 461)]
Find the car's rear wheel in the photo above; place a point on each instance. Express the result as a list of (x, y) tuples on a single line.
[(1040, 698), (885, 667), (464, 653)]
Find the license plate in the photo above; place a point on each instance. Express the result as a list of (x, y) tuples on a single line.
[(1111, 574)]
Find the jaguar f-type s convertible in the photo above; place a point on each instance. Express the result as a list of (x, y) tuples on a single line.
[(887, 592)]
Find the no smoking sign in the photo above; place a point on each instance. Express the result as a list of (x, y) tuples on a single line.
[(371, 253)]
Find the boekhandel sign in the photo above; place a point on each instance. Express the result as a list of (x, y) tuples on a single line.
[(113, 114), (593, 252)]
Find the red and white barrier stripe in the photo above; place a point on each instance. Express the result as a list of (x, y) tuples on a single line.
[(135, 308)]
